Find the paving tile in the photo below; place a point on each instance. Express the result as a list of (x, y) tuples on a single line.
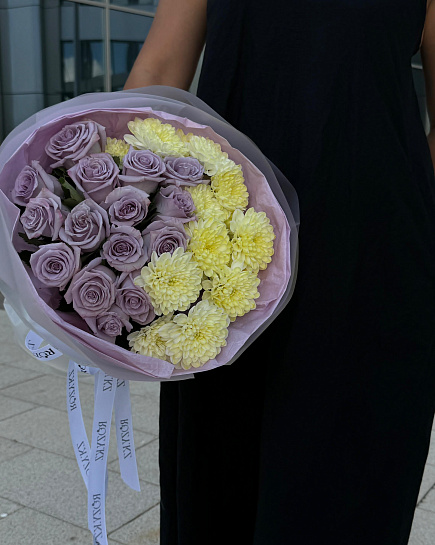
[(147, 462), (431, 454), (53, 485), (43, 529), (7, 508), (423, 528), (10, 407), (428, 501), (428, 481), (17, 357), (10, 449), (48, 429), (50, 391), (146, 389), (13, 375), (145, 411), (144, 530)]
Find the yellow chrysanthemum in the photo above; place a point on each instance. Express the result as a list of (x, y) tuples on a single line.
[(206, 205), (230, 189), (194, 339), (183, 136), (173, 282), (148, 342), (252, 240), (209, 243), (208, 152), (116, 148), (152, 134), (234, 289)]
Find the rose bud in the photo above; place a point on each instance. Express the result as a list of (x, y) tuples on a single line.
[(55, 264), (86, 226), (142, 169), (92, 290), (124, 250), (95, 176), (127, 205), (74, 142), (43, 215)]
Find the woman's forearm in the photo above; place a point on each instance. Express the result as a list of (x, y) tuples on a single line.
[(141, 77), (173, 46)]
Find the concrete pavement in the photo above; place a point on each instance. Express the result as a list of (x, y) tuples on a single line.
[(42, 496)]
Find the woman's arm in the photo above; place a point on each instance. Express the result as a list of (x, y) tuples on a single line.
[(427, 53), (173, 46)]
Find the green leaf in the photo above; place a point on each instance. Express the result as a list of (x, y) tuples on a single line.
[(118, 161), (72, 195), (35, 241)]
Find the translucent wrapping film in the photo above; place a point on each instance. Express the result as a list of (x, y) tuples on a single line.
[(277, 198)]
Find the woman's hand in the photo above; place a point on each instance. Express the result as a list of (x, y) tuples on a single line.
[(173, 46)]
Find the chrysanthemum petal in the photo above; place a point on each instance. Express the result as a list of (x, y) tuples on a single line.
[(252, 240), (193, 340), (208, 152), (206, 205), (210, 244), (148, 342), (116, 148), (152, 134), (230, 189), (234, 289), (173, 282)]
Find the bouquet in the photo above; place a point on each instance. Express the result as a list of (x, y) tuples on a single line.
[(144, 238)]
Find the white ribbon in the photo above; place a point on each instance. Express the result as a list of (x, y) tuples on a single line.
[(33, 342), (76, 424), (92, 459), (103, 408), (124, 435)]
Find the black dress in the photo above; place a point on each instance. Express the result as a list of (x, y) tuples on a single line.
[(319, 433)]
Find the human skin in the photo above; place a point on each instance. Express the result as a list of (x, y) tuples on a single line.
[(171, 51)]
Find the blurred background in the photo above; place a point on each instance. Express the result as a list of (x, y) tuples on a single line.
[(53, 50)]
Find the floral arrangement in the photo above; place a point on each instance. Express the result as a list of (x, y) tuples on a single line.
[(149, 240)]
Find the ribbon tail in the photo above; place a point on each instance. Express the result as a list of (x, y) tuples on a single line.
[(76, 425), (105, 389), (124, 435)]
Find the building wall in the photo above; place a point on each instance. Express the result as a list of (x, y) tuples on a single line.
[(52, 50)]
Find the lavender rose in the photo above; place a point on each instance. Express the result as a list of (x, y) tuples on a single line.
[(127, 205), (74, 142), (55, 264), (109, 324), (164, 235), (134, 301), (86, 226), (92, 290), (30, 181), (124, 249), (184, 171), (142, 169), (175, 202), (95, 176), (43, 215)]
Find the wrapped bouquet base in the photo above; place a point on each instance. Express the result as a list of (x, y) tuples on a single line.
[(143, 238)]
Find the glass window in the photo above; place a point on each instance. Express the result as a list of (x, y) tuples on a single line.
[(82, 49), (127, 35)]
